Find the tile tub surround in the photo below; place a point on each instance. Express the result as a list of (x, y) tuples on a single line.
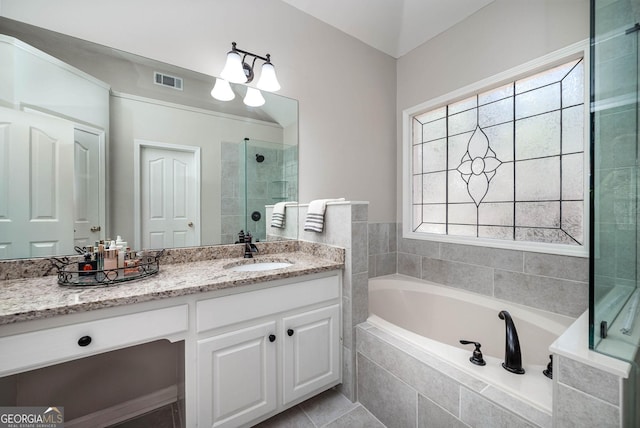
[(544, 281), (589, 387), (383, 249), (36, 298), (404, 386)]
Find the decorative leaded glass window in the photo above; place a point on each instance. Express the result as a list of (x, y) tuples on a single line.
[(507, 163)]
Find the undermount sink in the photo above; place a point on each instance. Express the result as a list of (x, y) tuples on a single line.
[(259, 266)]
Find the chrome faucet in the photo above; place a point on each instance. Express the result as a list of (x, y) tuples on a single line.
[(249, 247), (512, 355)]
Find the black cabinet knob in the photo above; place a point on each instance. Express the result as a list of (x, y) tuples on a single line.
[(84, 341), (272, 338), (290, 332)]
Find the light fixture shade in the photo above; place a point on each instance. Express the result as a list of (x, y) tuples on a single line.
[(222, 90), (253, 98), (268, 80), (232, 71)]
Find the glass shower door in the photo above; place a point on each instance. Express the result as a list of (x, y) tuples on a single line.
[(254, 175), (614, 295), (271, 177)]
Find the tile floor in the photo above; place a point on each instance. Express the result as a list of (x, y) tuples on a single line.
[(327, 410), (165, 417)]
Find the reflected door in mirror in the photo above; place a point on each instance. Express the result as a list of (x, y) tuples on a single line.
[(169, 196), (86, 187), (36, 185)]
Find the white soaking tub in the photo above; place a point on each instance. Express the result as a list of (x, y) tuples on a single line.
[(435, 318)]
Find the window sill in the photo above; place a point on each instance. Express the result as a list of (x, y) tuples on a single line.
[(534, 247)]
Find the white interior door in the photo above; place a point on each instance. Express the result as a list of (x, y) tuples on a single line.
[(169, 196), (36, 185), (88, 223)]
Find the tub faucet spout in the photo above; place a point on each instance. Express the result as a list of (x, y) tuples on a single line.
[(512, 355)]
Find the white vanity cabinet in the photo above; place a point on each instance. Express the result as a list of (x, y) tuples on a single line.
[(242, 353), (263, 351)]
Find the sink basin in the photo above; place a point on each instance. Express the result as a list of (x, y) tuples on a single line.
[(260, 266)]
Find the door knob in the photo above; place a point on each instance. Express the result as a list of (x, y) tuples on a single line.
[(95, 228), (190, 224)]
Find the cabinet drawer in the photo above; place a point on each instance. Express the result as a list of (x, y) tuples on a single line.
[(44, 347), (221, 311)]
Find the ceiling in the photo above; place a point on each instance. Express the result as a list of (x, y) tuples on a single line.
[(394, 27)]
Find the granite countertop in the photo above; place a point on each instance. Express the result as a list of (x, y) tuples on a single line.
[(42, 297)]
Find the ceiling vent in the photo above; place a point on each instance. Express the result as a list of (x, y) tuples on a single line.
[(166, 80)]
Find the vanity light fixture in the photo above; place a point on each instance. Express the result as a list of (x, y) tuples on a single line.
[(222, 91), (253, 98), (237, 70)]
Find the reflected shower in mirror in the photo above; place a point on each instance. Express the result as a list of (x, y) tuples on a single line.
[(99, 143)]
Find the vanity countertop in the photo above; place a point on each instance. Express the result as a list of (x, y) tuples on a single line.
[(37, 298)]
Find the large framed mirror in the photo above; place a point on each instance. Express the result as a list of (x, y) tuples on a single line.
[(97, 143)]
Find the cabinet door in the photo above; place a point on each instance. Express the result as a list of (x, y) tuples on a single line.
[(237, 376), (311, 351)]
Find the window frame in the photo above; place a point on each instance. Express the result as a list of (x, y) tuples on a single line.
[(574, 51)]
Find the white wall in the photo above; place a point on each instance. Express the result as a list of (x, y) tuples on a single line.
[(346, 89), (75, 94), (502, 35)]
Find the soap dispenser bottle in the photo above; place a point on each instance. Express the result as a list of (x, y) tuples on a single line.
[(121, 253)]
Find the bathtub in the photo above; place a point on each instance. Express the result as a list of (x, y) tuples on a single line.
[(435, 318)]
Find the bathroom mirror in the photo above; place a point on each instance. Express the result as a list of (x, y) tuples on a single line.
[(124, 145)]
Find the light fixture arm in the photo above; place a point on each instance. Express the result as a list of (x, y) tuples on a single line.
[(246, 68), (234, 48)]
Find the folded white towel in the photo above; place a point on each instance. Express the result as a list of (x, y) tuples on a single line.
[(278, 214), (315, 214)]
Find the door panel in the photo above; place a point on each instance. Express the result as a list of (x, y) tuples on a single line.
[(180, 190), (36, 192), (44, 175), (168, 205), (88, 225), (157, 189)]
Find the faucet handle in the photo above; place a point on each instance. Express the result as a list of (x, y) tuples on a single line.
[(476, 358), (548, 372)]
